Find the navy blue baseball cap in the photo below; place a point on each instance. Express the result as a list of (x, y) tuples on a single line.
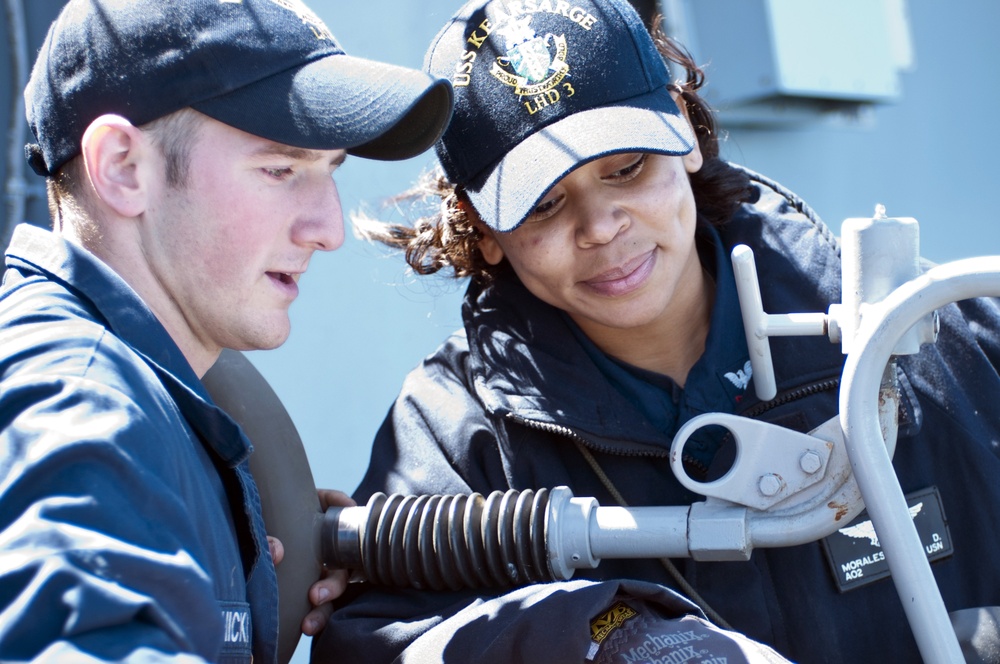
[(543, 86), (267, 67)]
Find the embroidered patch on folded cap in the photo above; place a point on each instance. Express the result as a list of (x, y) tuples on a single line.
[(631, 631)]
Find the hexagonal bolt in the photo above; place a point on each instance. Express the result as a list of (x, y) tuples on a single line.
[(810, 462), (769, 484)]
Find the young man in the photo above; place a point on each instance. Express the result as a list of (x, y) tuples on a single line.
[(188, 148)]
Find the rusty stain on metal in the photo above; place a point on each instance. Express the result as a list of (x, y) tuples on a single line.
[(841, 509)]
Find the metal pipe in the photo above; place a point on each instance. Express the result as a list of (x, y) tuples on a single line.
[(639, 532), (880, 331), (436, 541), (754, 322)]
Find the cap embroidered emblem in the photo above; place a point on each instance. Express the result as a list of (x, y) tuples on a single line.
[(536, 68), (308, 17)]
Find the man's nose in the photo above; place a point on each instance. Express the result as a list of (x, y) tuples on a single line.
[(322, 225)]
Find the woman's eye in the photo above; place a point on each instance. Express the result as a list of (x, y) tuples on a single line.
[(633, 169), (545, 209)]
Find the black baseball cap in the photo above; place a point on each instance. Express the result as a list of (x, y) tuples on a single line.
[(543, 86), (267, 67)]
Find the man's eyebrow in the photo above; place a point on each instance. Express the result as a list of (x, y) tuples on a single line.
[(292, 152), (278, 149)]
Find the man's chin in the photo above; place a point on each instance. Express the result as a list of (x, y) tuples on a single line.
[(261, 337)]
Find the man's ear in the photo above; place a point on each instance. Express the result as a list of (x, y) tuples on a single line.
[(113, 152), (692, 160), (488, 245)]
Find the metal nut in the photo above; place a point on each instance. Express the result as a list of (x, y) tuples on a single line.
[(769, 484), (810, 462)]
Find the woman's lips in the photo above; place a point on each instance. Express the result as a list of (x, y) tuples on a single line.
[(625, 279)]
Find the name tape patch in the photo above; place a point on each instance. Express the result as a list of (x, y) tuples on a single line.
[(856, 557), (237, 635)]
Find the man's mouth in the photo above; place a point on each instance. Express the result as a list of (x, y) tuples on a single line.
[(287, 282)]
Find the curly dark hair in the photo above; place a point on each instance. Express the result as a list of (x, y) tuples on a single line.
[(448, 237)]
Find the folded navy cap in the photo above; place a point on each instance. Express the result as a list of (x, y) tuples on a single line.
[(543, 86), (267, 67)]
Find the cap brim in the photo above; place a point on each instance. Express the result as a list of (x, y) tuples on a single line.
[(506, 193), (371, 109)]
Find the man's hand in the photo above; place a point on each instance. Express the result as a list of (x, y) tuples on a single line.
[(334, 582)]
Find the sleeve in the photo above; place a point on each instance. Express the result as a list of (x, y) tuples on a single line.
[(983, 318), (96, 549), (958, 376)]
